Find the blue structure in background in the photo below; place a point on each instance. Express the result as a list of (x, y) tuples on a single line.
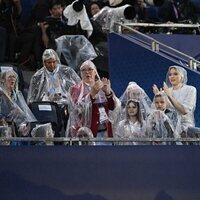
[(100, 173), (188, 44), (130, 61)]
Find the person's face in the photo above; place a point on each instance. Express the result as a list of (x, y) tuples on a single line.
[(132, 109), (56, 11), (174, 77), (160, 103), (11, 81), (94, 9), (88, 74), (50, 64)]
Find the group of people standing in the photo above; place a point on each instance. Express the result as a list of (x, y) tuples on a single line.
[(170, 115), (93, 109)]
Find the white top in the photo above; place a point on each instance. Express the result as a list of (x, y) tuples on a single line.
[(186, 95)]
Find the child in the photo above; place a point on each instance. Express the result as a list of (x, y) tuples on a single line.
[(163, 121), (133, 125)]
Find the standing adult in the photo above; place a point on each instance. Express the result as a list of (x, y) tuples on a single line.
[(94, 101), (181, 96), (52, 81)]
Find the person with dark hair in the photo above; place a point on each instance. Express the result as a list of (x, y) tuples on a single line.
[(134, 91), (93, 8), (133, 124), (57, 24), (52, 26)]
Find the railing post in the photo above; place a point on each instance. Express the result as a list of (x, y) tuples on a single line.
[(155, 46), (192, 64)]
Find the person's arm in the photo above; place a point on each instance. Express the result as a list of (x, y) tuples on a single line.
[(109, 94), (45, 37), (177, 105)]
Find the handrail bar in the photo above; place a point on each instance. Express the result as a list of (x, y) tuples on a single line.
[(164, 25), (191, 60), (76, 139)]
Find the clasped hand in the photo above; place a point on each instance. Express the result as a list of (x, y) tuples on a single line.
[(99, 84)]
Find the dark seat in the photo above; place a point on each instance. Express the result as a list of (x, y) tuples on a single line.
[(45, 112)]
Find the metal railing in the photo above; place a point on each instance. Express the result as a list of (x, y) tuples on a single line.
[(156, 46), (164, 25), (79, 141)]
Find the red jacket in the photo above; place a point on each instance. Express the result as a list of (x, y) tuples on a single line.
[(108, 105)]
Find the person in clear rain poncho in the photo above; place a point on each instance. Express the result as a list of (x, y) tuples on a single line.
[(52, 81), (12, 114), (133, 125), (182, 97), (75, 49), (134, 91), (16, 109), (163, 121), (9, 83), (93, 103)]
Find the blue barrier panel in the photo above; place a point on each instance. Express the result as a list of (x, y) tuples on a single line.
[(188, 44), (100, 173), (131, 62), (128, 61)]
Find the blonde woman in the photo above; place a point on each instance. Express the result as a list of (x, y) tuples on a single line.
[(182, 97)]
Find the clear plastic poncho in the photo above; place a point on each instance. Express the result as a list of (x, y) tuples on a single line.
[(16, 95), (81, 107), (10, 110), (185, 95), (43, 131), (107, 16), (52, 86), (163, 123), (134, 91), (5, 130), (75, 49), (128, 128)]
